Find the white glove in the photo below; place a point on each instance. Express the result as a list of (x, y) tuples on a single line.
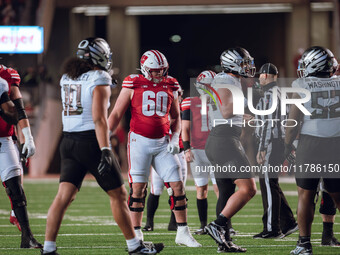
[(29, 146), (173, 146)]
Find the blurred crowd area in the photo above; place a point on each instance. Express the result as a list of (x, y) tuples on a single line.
[(18, 12)]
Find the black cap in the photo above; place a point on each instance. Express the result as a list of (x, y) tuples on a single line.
[(269, 68)]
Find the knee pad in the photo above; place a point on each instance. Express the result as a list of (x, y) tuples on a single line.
[(173, 199), (15, 192), (327, 205), (132, 199)]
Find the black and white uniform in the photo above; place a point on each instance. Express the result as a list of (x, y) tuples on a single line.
[(79, 147), (319, 143), (223, 147), (277, 215)]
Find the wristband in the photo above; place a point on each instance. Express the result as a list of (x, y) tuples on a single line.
[(105, 148), (186, 145)]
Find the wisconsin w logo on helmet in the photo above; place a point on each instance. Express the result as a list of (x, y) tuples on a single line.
[(238, 61)]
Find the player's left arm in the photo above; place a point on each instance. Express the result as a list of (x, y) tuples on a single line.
[(23, 122)]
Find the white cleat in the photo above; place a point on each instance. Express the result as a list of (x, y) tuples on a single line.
[(139, 234), (184, 237)]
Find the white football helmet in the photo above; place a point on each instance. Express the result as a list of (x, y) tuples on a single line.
[(203, 79), (238, 61), (153, 60)]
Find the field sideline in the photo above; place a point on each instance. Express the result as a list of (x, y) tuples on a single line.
[(88, 226)]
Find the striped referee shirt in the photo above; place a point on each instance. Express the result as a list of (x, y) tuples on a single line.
[(271, 128)]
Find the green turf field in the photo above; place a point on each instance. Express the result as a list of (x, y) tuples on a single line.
[(88, 226)]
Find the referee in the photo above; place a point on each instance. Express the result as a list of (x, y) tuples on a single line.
[(278, 219)]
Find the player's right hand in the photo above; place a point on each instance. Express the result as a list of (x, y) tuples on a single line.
[(189, 156), (106, 162)]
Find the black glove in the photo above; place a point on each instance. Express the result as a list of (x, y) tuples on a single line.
[(290, 153), (106, 162)]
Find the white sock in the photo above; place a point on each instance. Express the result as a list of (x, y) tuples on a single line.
[(49, 246), (133, 243), (12, 213)]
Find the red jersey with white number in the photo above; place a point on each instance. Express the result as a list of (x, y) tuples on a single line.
[(199, 128), (150, 105), (12, 77)]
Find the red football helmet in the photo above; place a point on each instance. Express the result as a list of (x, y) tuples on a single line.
[(153, 60)]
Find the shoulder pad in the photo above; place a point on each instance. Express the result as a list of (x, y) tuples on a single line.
[(173, 83), (186, 103), (132, 80), (15, 77), (223, 78), (298, 83), (101, 77)]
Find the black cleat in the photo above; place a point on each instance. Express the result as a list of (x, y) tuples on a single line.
[(231, 247), (147, 248), (147, 228), (330, 241), (49, 253), (200, 231), (269, 235), (290, 230), (30, 243)]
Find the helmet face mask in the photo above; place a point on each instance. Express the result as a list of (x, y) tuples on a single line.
[(97, 51), (238, 61), (154, 61), (316, 60)]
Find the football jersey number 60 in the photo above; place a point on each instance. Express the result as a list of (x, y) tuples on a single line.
[(155, 103)]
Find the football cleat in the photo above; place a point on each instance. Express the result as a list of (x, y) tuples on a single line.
[(330, 241), (200, 231), (269, 235), (184, 237), (302, 249), (148, 228), (14, 221), (147, 248), (232, 232), (217, 232), (231, 247), (30, 243), (48, 253), (291, 230)]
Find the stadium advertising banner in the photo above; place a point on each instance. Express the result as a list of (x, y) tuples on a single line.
[(21, 39)]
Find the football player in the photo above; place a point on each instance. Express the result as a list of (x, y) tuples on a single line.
[(85, 92), (224, 149), (319, 142), (195, 131), (157, 185), (152, 97), (10, 168)]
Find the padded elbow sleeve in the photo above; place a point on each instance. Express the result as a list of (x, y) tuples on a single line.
[(19, 105)]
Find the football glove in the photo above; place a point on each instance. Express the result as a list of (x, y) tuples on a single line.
[(173, 146), (106, 162), (29, 148)]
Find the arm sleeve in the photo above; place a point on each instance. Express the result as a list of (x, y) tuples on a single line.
[(186, 114)]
